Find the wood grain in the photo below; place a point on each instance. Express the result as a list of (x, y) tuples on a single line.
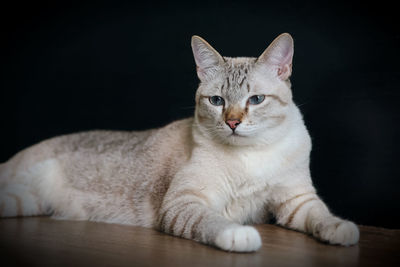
[(40, 241)]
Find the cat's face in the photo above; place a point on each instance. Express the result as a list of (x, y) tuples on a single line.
[(243, 101)]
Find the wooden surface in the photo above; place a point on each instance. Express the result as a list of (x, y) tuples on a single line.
[(41, 241)]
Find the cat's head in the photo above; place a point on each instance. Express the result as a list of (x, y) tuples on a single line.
[(244, 100)]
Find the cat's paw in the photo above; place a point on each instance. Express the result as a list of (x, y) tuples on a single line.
[(337, 232), (239, 238)]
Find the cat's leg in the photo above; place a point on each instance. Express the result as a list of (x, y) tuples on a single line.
[(192, 214), (35, 188), (18, 190), (298, 207)]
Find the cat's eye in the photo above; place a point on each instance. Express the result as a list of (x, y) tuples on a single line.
[(216, 100), (256, 99)]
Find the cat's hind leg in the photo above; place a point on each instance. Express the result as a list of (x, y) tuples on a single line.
[(24, 189), (29, 189)]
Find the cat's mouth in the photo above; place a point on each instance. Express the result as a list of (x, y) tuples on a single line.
[(235, 134)]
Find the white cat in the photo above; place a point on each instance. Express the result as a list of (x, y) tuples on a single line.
[(243, 156)]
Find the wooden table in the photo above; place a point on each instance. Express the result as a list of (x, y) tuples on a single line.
[(40, 241)]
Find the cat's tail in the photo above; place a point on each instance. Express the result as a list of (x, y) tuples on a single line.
[(23, 188)]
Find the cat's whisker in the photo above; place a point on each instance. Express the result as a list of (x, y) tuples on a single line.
[(302, 104)]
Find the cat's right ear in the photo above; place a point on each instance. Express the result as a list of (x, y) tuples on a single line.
[(207, 58)]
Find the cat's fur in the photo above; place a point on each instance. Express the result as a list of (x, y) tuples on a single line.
[(194, 178)]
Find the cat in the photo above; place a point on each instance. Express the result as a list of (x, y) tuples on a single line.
[(243, 157)]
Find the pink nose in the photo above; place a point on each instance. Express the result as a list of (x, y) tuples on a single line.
[(233, 123)]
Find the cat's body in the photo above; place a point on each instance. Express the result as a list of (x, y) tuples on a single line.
[(110, 176), (243, 156)]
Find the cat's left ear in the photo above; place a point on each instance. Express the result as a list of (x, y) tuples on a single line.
[(208, 60), (278, 56)]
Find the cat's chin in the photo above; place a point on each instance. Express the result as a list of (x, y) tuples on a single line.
[(238, 139), (235, 134)]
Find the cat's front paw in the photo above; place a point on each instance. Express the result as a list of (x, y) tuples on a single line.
[(337, 232), (239, 238)]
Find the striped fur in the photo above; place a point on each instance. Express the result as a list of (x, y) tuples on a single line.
[(194, 178)]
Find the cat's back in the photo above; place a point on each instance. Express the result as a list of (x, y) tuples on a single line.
[(103, 152)]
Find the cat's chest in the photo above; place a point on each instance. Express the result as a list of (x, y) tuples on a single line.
[(250, 177), (254, 168)]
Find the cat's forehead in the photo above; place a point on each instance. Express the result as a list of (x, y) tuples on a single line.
[(236, 77), (239, 63)]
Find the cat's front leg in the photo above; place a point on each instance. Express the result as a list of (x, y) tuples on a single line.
[(304, 211), (192, 214)]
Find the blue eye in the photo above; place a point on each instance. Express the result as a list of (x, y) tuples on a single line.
[(216, 100), (256, 99)]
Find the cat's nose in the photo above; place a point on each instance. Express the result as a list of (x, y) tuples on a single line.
[(233, 123)]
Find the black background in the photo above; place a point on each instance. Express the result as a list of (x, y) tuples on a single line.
[(68, 67)]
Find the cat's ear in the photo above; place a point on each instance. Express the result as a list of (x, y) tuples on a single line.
[(278, 56), (207, 58)]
